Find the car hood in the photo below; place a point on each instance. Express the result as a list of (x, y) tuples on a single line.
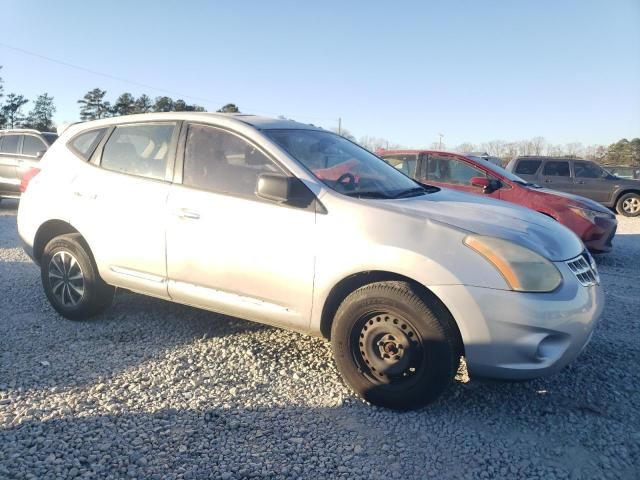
[(582, 202), (495, 218)]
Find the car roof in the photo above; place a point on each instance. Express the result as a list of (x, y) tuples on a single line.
[(256, 121), (22, 130)]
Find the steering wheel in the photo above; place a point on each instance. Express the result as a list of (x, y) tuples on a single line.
[(351, 181)]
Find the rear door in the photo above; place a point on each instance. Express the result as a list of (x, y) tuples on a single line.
[(29, 158), (591, 181), (527, 169), (120, 200), (556, 174), (9, 180)]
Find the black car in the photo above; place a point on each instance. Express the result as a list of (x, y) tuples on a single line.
[(581, 177), (20, 150)]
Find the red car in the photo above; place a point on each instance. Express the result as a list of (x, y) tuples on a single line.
[(593, 223)]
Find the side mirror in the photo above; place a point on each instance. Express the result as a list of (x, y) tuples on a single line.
[(274, 187), (485, 184)]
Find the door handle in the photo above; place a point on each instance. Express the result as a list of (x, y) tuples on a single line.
[(90, 196), (186, 213)]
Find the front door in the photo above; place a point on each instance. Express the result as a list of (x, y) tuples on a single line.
[(591, 181), (227, 249), (119, 205), (448, 171)]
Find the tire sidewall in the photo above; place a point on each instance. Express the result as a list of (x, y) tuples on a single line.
[(95, 295), (435, 371)]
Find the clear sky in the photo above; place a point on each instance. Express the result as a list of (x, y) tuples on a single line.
[(473, 70)]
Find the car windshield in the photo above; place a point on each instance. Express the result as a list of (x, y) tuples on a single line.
[(344, 166), (501, 171)]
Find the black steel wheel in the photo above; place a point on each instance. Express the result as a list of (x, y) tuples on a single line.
[(395, 346)]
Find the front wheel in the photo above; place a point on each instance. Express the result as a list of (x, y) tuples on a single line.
[(394, 347), (70, 279), (629, 205)]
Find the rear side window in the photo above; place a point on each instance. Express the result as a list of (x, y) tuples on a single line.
[(141, 150), (32, 145), (450, 170), (85, 143), (528, 167), (10, 144), (587, 170), (556, 169)]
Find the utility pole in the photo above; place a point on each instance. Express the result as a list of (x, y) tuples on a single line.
[(440, 141), (339, 126)]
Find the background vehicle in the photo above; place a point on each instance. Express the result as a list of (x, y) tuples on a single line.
[(582, 177), (287, 224), (594, 224), (624, 171), (484, 156), (20, 150)]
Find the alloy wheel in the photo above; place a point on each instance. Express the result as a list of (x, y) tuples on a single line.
[(66, 278)]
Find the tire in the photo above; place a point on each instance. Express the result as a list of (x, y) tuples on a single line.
[(415, 333), (71, 280), (628, 205)]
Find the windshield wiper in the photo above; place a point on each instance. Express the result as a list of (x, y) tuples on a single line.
[(410, 192), (368, 194)]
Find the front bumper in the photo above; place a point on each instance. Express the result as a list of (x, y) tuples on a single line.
[(514, 335)]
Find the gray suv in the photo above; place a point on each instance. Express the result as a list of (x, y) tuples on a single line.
[(581, 177), (20, 150)]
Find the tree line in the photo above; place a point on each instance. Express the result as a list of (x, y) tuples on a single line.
[(623, 152), (94, 105), (12, 113)]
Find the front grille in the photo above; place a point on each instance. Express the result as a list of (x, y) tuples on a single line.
[(584, 268)]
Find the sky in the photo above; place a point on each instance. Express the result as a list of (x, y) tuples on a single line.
[(473, 70)]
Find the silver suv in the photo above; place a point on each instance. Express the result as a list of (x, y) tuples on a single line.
[(20, 150), (290, 225)]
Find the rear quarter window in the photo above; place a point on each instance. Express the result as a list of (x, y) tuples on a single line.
[(85, 143), (527, 167)]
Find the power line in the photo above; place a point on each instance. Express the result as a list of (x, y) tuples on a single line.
[(138, 84)]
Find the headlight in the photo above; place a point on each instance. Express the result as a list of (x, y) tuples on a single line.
[(523, 269), (589, 214)]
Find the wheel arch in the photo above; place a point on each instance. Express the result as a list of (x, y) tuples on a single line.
[(624, 192), (48, 231), (349, 284)]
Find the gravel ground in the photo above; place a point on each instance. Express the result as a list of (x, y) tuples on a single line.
[(157, 390)]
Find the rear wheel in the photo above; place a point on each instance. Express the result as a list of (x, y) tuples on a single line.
[(70, 279), (394, 348), (629, 205)]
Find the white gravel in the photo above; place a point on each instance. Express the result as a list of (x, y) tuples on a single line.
[(157, 390)]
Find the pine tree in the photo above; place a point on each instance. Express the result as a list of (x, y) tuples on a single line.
[(41, 116), (163, 104), (229, 108), (125, 105), (12, 110), (143, 104), (93, 105)]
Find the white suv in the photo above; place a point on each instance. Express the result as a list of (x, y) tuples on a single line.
[(290, 225)]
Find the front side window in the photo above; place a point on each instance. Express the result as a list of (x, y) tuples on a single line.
[(10, 144), (556, 169), (588, 170), (32, 145), (447, 169), (85, 143), (141, 150), (406, 163), (528, 167), (344, 166), (220, 161)]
